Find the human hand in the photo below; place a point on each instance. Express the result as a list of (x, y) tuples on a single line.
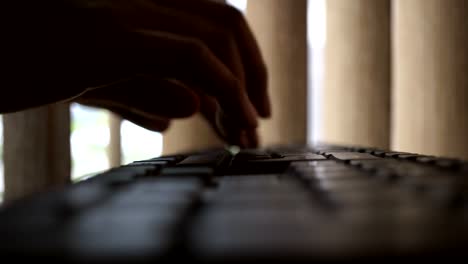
[(154, 60)]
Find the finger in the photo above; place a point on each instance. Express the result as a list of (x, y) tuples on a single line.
[(162, 97), (232, 135), (212, 112), (148, 121), (190, 61), (244, 138), (252, 60)]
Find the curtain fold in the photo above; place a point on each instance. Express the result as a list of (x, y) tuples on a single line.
[(430, 77), (356, 95), (281, 30)]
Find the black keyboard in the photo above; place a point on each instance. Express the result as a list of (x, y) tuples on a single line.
[(285, 203)]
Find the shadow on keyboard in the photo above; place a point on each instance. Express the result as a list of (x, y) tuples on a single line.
[(288, 204)]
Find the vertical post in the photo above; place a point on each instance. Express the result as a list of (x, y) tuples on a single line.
[(188, 135), (357, 76), (430, 96), (114, 149), (36, 150), (281, 30)]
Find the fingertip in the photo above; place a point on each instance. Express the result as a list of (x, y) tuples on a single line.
[(247, 138), (248, 112), (237, 108)]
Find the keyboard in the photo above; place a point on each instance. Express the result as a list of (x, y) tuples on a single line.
[(281, 203)]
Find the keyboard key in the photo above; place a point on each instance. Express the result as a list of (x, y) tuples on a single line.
[(171, 159), (378, 153), (187, 171), (374, 164), (350, 155), (210, 159), (323, 149), (170, 184), (241, 167), (82, 196), (334, 175), (244, 233), (297, 153), (448, 163), (123, 175), (319, 163), (156, 163), (135, 233), (326, 169), (256, 183), (411, 157), (284, 150), (257, 190), (426, 159), (273, 199), (307, 157), (356, 184), (390, 154), (252, 154)]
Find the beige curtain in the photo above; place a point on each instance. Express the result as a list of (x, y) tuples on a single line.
[(281, 30), (396, 75), (356, 95), (430, 77), (36, 150)]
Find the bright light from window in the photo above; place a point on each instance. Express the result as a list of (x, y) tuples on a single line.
[(316, 19), (316, 36), (89, 139), (239, 4), (139, 143)]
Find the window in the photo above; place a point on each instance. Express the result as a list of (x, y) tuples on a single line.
[(139, 143), (90, 140), (316, 37), (239, 4)]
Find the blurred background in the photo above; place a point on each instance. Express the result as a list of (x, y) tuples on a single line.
[(391, 74)]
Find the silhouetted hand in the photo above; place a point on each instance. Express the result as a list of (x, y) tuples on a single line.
[(147, 60)]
